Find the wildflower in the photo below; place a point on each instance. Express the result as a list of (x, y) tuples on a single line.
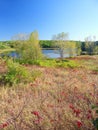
[(36, 113), (4, 125), (77, 112), (71, 106), (89, 111), (79, 124), (38, 120), (89, 116)]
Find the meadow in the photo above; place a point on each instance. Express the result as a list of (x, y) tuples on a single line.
[(49, 95)]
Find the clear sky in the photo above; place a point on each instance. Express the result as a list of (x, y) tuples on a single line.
[(77, 17)]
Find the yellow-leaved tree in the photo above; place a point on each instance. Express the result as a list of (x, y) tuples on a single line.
[(63, 45), (29, 49)]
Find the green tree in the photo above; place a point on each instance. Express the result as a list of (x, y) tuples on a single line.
[(34, 49), (90, 44), (60, 41), (96, 49), (63, 45), (46, 43), (29, 49), (78, 48), (72, 48)]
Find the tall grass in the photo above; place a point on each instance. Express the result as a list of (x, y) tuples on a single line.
[(60, 99)]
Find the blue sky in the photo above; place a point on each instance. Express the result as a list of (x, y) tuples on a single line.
[(77, 17)]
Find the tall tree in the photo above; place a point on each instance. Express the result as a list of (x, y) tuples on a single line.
[(78, 48), (90, 44), (34, 47), (60, 41), (64, 46), (29, 49), (72, 48)]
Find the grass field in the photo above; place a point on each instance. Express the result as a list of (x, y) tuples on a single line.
[(61, 98)]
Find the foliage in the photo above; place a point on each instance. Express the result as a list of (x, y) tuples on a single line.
[(61, 41), (35, 49), (46, 43), (5, 52), (57, 63), (5, 49), (72, 49), (96, 49), (3, 45), (17, 73), (78, 48), (90, 45), (81, 47), (29, 49), (64, 46)]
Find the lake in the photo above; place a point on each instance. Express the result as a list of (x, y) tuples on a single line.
[(47, 52), (53, 54)]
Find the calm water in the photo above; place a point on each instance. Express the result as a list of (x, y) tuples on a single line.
[(48, 53), (53, 54)]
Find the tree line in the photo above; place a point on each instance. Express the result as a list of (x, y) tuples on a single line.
[(30, 47)]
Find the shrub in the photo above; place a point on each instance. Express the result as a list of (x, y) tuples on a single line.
[(56, 63), (51, 63), (17, 73), (30, 49), (48, 63)]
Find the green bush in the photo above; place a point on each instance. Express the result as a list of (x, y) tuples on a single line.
[(57, 63), (30, 49), (3, 46), (47, 63), (17, 73), (67, 64), (51, 63)]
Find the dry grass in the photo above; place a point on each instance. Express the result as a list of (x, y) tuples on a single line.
[(60, 99)]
